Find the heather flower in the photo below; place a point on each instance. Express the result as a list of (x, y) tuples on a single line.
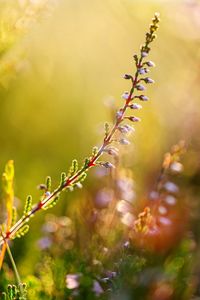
[(176, 167), (150, 63), (162, 210), (119, 114), (144, 54), (127, 76), (108, 165), (140, 87), (112, 151), (103, 198), (143, 71), (143, 98), (165, 221), (125, 95), (170, 200), (123, 129), (171, 187), (134, 119), (135, 106), (129, 128), (124, 141), (148, 80)]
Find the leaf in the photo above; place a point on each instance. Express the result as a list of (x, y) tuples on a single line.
[(28, 205), (74, 168)]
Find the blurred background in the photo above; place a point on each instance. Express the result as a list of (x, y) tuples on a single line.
[(60, 61)]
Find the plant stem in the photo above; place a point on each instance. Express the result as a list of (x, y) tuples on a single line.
[(18, 279)]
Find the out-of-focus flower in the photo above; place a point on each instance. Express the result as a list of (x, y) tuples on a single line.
[(171, 187), (123, 207), (128, 219), (103, 198), (176, 167), (44, 243), (72, 281), (97, 289)]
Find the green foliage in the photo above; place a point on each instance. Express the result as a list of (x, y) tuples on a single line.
[(73, 169), (14, 216), (48, 183), (28, 205), (63, 179), (14, 293), (22, 231)]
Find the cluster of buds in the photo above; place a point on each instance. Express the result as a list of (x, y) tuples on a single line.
[(141, 69)]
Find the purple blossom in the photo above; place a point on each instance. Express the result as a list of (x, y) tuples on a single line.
[(150, 63), (124, 141), (143, 98), (149, 80), (44, 243), (135, 106), (140, 87), (144, 54), (108, 165), (134, 119), (171, 187), (127, 76), (112, 151), (103, 198), (125, 95), (97, 289)]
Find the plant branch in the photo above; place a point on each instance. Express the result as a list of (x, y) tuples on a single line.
[(93, 160)]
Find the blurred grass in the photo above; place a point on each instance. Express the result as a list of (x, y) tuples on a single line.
[(59, 71)]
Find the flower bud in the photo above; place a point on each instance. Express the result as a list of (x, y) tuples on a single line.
[(144, 54), (127, 76), (122, 129), (135, 106), (119, 114), (143, 98), (150, 63), (171, 187), (124, 141), (140, 87), (134, 119), (126, 96), (112, 151), (129, 128), (148, 80), (108, 165), (143, 71)]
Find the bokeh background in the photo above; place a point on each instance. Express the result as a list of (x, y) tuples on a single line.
[(60, 61)]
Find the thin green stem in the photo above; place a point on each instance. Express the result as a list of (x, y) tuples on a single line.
[(18, 279)]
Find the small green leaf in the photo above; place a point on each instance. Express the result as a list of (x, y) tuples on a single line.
[(63, 178), (14, 216), (22, 231), (74, 168), (28, 205), (48, 183)]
